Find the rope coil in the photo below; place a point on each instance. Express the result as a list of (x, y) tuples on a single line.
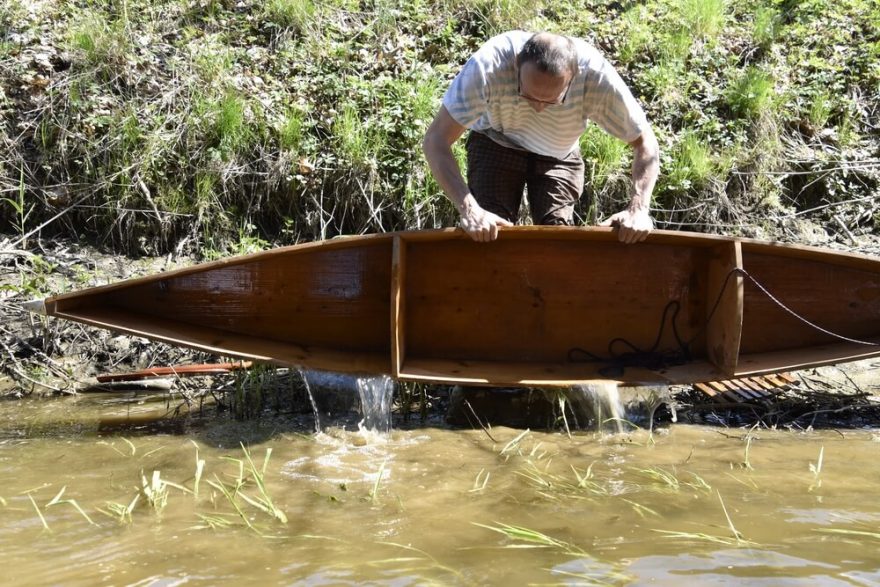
[(654, 360)]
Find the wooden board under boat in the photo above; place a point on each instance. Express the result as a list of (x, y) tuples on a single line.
[(539, 306)]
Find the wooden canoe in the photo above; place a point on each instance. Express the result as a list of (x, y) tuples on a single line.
[(541, 306)]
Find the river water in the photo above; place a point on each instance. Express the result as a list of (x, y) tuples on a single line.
[(86, 499)]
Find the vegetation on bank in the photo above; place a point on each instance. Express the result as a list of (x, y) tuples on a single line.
[(219, 126)]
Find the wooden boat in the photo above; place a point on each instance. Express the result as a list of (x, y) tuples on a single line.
[(542, 306)]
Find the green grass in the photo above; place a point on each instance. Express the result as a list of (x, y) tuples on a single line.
[(210, 111), (767, 26), (704, 19), (750, 93), (290, 14)]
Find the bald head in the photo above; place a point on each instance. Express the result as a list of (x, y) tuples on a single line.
[(551, 54)]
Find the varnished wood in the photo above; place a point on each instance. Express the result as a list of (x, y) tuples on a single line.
[(724, 306), (539, 306), (398, 310)]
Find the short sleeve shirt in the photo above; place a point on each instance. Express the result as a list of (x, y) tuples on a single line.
[(484, 97)]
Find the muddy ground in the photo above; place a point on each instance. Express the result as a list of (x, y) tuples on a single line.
[(42, 356)]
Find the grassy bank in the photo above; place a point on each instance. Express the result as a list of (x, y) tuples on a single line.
[(217, 126)]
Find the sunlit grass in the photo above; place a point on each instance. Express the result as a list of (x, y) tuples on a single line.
[(750, 94), (819, 110), (638, 34), (691, 163), (606, 156), (703, 18), (767, 26), (290, 14)]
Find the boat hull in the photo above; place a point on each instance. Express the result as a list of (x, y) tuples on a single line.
[(540, 306)]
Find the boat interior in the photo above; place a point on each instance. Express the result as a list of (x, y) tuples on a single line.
[(538, 306)]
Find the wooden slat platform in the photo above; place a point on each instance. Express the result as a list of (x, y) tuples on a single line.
[(747, 389)]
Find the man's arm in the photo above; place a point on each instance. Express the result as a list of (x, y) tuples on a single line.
[(635, 222), (444, 131)]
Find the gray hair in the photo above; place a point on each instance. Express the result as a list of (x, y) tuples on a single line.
[(553, 54)]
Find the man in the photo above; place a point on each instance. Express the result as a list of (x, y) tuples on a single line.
[(527, 99)]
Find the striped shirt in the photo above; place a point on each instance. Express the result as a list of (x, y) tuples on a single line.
[(484, 97)]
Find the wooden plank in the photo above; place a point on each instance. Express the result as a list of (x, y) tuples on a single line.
[(234, 344), (707, 389), (518, 373), (803, 358), (176, 370), (511, 300), (398, 309), (787, 377), (831, 293), (724, 307), (775, 380), (740, 390)]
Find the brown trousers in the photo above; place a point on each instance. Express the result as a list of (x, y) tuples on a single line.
[(496, 176)]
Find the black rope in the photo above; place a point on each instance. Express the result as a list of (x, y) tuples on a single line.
[(653, 360)]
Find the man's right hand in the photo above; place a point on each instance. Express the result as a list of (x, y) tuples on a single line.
[(481, 225)]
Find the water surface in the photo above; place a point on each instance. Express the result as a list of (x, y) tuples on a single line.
[(686, 505)]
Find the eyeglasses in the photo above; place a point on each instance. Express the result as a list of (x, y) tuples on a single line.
[(556, 102)]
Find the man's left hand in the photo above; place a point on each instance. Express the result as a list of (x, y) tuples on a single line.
[(633, 226)]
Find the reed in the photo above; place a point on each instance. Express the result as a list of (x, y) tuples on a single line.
[(532, 539), (71, 502), (736, 539), (155, 491), (851, 533), (375, 491), (420, 556), (667, 479), (641, 510), (39, 513), (264, 500), (212, 522), (234, 491), (511, 447), (816, 470), (120, 512), (481, 481)]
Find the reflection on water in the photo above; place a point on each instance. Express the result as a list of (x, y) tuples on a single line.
[(430, 505)]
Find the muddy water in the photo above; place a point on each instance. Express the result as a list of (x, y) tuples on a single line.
[(685, 506)]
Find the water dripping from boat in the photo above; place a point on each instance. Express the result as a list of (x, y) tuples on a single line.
[(602, 402), (305, 374), (375, 394)]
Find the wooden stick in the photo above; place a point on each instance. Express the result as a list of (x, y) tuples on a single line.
[(180, 370)]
